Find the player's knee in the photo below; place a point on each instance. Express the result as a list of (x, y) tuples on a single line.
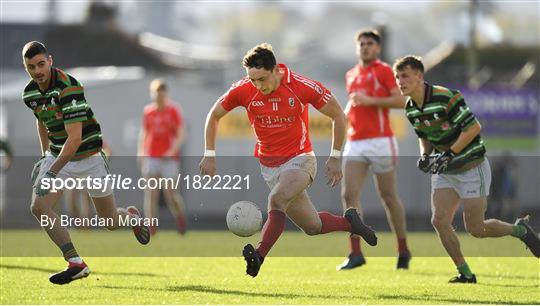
[(389, 198), (312, 230), (476, 231), (439, 222), (38, 208), (277, 200)]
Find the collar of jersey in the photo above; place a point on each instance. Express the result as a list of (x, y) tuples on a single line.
[(52, 81), (372, 64), (428, 94), (286, 73)]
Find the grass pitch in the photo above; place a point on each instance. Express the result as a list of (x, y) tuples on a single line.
[(205, 279)]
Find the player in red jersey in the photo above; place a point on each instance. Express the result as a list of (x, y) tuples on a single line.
[(370, 142), (276, 100), (161, 135)]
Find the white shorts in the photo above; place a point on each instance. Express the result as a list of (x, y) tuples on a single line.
[(306, 162), (380, 153), (95, 166), (160, 167), (470, 184)]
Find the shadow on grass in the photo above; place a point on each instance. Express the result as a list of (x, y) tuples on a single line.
[(211, 290), (430, 299), (15, 267), (208, 289), (509, 285), (480, 275)]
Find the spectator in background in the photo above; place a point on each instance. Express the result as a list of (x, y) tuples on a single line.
[(159, 151)]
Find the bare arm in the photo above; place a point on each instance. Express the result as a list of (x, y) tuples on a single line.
[(211, 125), (43, 135), (142, 138), (208, 162), (395, 100), (425, 146), (333, 110), (178, 139), (73, 141), (466, 137)]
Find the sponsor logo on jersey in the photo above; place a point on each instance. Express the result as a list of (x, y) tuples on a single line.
[(275, 120), (257, 103)]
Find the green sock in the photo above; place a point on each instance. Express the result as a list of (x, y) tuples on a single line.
[(519, 231), (465, 270)]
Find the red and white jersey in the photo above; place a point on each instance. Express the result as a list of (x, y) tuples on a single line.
[(375, 80), (161, 127), (280, 120)]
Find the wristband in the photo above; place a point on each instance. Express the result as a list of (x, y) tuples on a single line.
[(335, 153), (209, 153)]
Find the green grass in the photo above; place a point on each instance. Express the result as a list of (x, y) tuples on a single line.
[(514, 143), (121, 243), (282, 280)]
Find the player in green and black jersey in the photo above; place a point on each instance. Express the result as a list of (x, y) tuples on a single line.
[(446, 126), (71, 145)]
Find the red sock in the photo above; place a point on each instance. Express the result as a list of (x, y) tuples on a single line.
[(181, 223), (355, 245), (272, 229), (333, 223), (402, 246)]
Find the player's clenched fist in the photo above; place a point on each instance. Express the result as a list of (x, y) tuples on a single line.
[(208, 166)]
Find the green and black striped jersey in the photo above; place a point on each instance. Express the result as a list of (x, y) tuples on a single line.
[(442, 118), (64, 103)]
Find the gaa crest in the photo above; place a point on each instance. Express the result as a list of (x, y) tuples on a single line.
[(291, 102)]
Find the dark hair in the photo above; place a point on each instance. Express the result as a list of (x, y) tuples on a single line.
[(261, 56), (371, 33), (413, 61), (34, 48)]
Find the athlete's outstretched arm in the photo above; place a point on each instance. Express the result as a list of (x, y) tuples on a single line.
[(73, 141), (333, 110), (43, 136), (208, 162)]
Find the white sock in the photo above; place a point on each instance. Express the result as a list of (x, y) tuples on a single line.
[(76, 260)]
